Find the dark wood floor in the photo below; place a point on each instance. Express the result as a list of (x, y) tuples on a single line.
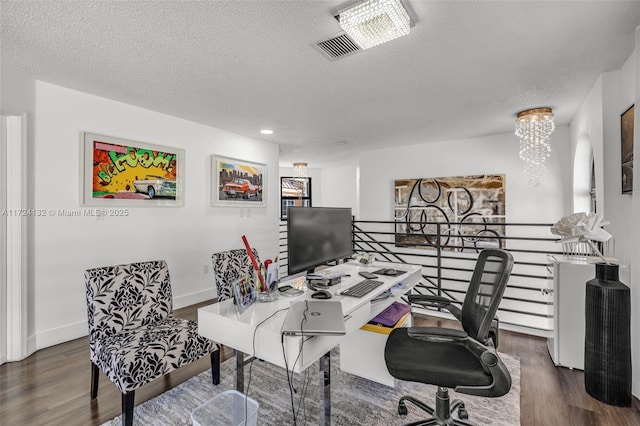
[(51, 387)]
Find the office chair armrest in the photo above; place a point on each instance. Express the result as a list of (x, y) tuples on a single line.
[(432, 301), (437, 334), (493, 365), (492, 337), (428, 299)]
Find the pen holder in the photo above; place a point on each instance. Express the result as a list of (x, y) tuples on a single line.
[(269, 292), (269, 295)]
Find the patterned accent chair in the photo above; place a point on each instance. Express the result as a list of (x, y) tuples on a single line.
[(228, 266), (133, 336)]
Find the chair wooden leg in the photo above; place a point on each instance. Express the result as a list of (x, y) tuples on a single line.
[(127, 408), (95, 373), (215, 366)]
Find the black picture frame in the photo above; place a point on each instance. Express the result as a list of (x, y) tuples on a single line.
[(294, 191), (626, 153)]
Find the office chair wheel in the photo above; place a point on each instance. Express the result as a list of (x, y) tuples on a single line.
[(462, 413), (402, 408)]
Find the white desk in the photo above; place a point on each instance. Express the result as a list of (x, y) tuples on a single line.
[(221, 323)]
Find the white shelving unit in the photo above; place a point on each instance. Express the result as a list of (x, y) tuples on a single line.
[(566, 346)]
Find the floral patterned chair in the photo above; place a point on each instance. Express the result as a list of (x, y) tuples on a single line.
[(228, 266), (133, 336)]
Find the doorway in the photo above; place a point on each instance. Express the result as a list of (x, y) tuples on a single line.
[(3, 242), (13, 330)]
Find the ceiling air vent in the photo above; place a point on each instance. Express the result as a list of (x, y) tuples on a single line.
[(338, 47)]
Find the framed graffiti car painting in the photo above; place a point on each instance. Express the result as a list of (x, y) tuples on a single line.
[(238, 183), (120, 172)]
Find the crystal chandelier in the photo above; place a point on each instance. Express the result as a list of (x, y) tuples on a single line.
[(375, 21), (300, 170), (533, 128)]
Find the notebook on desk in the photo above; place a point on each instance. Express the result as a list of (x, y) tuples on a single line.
[(314, 318)]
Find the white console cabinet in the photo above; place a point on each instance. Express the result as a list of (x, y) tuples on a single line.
[(566, 346)]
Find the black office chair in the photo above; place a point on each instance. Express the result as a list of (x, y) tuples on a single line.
[(449, 358)]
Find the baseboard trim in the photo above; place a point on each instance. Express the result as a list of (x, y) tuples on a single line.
[(635, 403), (31, 346), (193, 298), (58, 335)]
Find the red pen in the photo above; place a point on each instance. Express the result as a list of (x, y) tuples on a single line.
[(256, 267)]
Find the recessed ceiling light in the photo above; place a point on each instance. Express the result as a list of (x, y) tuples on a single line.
[(266, 131)]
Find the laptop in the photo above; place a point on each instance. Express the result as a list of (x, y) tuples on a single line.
[(314, 318)]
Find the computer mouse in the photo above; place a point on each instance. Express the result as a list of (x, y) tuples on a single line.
[(390, 271), (321, 294)]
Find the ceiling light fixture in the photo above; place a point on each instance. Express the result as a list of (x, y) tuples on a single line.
[(266, 131), (300, 170), (534, 128), (375, 21)]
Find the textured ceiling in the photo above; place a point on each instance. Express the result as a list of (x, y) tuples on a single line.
[(464, 70)]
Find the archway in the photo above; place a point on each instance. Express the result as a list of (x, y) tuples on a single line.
[(583, 171)]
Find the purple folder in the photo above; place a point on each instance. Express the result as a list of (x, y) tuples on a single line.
[(390, 316)]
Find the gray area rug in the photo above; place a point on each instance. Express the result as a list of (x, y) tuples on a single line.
[(355, 401)]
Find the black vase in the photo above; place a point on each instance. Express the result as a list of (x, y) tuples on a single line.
[(607, 352)]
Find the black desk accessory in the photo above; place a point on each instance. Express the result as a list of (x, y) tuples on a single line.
[(321, 294), (368, 275), (389, 272), (322, 282)]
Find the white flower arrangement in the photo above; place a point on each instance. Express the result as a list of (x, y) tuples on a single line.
[(582, 228), (364, 258)]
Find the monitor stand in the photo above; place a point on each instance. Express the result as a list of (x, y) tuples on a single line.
[(323, 282)]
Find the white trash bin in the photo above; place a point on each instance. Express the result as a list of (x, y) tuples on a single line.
[(227, 409)]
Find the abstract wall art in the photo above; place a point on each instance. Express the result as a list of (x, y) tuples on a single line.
[(458, 213)]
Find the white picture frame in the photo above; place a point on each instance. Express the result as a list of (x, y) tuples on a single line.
[(238, 183), (117, 172)]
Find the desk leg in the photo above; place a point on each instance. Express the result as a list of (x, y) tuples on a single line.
[(324, 415), (239, 371)]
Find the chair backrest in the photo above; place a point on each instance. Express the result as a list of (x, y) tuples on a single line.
[(126, 296), (488, 282), (228, 266)]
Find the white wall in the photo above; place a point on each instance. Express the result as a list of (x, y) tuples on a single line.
[(63, 247), (587, 126), (339, 187), (497, 154), (617, 95), (632, 77)]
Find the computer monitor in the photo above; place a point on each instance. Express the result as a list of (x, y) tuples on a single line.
[(316, 236)]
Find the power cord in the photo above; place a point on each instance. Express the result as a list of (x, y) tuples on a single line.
[(303, 395), (292, 389), (253, 343)]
